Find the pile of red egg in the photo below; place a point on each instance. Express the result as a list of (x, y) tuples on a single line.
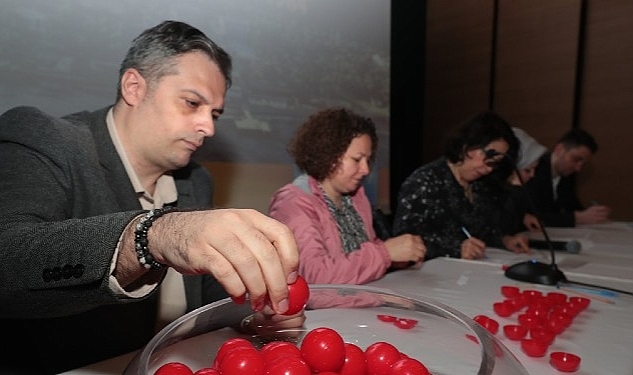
[(321, 351), (540, 318)]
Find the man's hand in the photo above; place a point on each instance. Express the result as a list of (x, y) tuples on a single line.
[(593, 215), (268, 324), (246, 251)]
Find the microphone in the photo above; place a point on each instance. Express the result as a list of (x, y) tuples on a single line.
[(533, 271), (572, 247)]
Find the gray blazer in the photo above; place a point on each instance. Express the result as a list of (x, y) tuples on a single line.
[(65, 200)]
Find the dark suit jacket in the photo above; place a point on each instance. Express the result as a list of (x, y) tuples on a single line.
[(66, 199), (553, 213)]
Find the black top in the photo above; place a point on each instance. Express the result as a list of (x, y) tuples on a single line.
[(553, 213), (66, 199), (516, 204), (432, 204)]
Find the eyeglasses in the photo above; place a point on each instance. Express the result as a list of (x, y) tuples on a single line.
[(492, 157)]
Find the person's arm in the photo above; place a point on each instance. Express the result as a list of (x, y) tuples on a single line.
[(47, 254), (595, 214), (321, 255), (560, 219), (246, 251), (425, 212), (58, 245)]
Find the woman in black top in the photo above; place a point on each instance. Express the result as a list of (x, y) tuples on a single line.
[(451, 203)]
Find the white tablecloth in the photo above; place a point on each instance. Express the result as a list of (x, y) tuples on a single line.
[(602, 335)]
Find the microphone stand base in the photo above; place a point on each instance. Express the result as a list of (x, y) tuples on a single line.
[(536, 273)]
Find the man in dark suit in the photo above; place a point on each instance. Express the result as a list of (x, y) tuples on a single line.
[(97, 206), (552, 189)]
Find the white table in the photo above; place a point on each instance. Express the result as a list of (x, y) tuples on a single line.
[(601, 335), (606, 252)]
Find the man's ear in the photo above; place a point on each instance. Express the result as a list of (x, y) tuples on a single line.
[(133, 87), (559, 149)]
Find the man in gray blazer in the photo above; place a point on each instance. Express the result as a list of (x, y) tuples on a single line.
[(96, 206)]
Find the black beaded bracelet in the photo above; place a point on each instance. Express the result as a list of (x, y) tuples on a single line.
[(140, 237)]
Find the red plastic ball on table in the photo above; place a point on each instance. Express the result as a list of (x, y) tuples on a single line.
[(323, 349), (566, 362), (298, 294), (380, 356), (355, 361), (408, 366), (174, 368)]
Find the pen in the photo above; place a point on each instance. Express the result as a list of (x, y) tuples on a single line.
[(588, 295), (598, 292), (466, 232)]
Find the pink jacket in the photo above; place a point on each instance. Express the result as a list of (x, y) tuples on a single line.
[(321, 258)]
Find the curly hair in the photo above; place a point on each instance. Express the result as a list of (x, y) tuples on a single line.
[(319, 143)]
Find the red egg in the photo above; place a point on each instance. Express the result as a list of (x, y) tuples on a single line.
[(556, 298), (355, 362), (287, 366), (386, 318), (207, 371), (408, 366), (244, 361), (380, 356), (298, 294), (529, 321), (533, 348), (563, 310), (557, 323), (563, 318), (276, 349), (488, 323), (510, 291), (503, 309), (532, 294), (230, 345), (579, 303), (542, 335), (566, 362), (405, 323), (515, 331), (323, 349), (517, 303), (540, 312), (174, 368)]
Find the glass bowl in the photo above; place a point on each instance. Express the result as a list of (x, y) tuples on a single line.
[(445, 340)]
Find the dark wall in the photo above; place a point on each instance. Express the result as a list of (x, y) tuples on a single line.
[(546, 66), (407, 90)]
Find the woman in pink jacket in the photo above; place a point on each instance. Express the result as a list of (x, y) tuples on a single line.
[(327, 209)]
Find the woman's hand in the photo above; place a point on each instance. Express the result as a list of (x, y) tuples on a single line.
[(473, 248), (531, 223), (406, 248)]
